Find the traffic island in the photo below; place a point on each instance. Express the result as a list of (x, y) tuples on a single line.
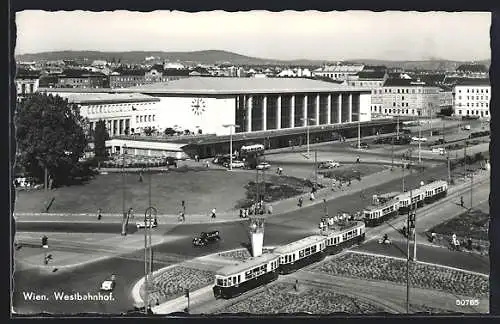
[(170, 283), (425, 276), (279, 299), (471, 224)]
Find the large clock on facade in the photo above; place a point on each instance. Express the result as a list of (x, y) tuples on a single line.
[(198, 106)]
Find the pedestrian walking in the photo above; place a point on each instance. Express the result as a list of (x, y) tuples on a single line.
[(462, 201), (325, 207), (469, 243), (349, 184), (357, 159), (297, 285), (241, 213), (140, 176), (301, 201), (213, 213), (270, 209), (99, 215), (433, 237), (311, 196)]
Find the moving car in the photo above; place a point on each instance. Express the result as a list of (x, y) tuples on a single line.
[(329, 165), (419, 139), (206, 238), (363, 145), (150, 223), (108, 284), (263, 166)]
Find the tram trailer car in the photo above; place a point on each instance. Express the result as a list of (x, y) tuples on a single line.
[(340, 238), (434, 191), (234, 280), (374, 215), (301, 253), (417, 200)]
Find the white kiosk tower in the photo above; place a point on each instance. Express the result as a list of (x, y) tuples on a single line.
[(256, 232)]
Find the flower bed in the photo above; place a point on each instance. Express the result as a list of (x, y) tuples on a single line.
[(170, 284), (422, 276), (279, 298), (241, 255)]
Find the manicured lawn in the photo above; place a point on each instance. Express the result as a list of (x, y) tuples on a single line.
[(201, 189)]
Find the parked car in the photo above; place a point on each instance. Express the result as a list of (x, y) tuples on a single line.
[(108, 284), (236, 164), (263, 166), (419, 139), (439, 150), (206, 238), (329, 165), (150, 223)]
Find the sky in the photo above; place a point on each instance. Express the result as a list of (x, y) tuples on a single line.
[(287, 35)]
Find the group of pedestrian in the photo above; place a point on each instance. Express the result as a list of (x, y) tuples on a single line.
[(182, 213), (327, 222), (279, 171)]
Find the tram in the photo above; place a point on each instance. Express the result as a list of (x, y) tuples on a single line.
[(232, 281), (341, 236), (376, 214), (301, 253)]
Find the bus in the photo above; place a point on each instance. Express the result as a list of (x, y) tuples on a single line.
[(257, 149)]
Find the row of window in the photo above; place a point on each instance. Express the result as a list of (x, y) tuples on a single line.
[(402, 104), (349, 235), (112, 108), (472, 98), (393, 111), (483, 104), (389, 90), (128, 78), (307, 251), (477, 112), (144, 118), (476, 90)]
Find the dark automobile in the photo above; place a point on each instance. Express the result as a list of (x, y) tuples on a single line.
[(363, 145), (206, 238)]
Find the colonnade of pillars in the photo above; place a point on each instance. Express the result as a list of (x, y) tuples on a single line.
[(116, 126), (249, 103)]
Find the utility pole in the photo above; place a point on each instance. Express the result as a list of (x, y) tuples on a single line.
[(392, 154), (397, 128), (307, 125), (449, 167), (408, 261), (420, 140), (471, 186), (257, 198), (359, 134), (465, 160), (316, 167), (149, 215)]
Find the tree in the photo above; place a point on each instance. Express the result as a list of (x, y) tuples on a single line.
[(50, 136), (100, 137), (169, 131), (149, 130)]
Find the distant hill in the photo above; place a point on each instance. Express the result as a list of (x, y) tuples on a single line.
[(203, 57), (221, 57), (433, 65)]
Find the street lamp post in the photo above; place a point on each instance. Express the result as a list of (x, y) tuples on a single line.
[(359, 129), (307, 132), (231, 143), (125, 221)]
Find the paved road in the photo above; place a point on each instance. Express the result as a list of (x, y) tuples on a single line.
[(279, 229)]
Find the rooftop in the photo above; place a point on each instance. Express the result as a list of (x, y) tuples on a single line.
[(99, 98), (247, 264), (230, 85), (472, 82), (405, 83), (297, 245), (383, 205), (371, 74)]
